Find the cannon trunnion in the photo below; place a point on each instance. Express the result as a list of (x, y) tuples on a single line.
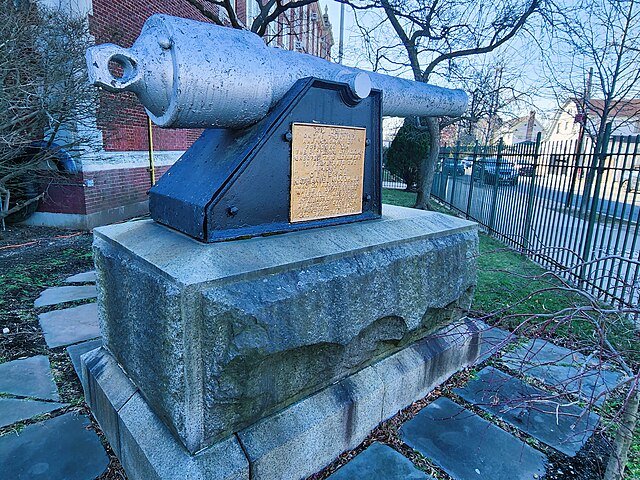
[(238, 183)]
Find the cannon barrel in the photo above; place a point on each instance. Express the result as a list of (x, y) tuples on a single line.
[(191, 74)]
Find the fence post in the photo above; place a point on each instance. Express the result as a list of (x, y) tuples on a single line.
[(526, 246), (454, 174), (588, 241), (473, 167), (496, 184), (575, 174), (442, 182)]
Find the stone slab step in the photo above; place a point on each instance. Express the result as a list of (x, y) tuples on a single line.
[(493, 339), (76, 351), (14, 410), (468, 447), (55, 295), (563, 427), (567, 370), (70, 325), (29, 377), (58, 448), (379, 462), (84, 277)]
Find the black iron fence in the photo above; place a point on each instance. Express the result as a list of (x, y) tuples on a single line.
[(567, 206)]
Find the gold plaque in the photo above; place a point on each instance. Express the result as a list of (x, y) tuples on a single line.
[(327, 171)]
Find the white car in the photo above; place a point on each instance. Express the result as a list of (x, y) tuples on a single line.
[(631, 180)]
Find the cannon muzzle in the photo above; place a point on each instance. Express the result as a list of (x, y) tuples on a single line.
[(190, 74)]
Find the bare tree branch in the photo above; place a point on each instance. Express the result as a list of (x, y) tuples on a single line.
[(44, 99), (270, 11), (436, 36)]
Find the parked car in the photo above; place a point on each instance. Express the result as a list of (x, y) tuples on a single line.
[(525, 169), (449, 166), (631, 180), (467, 162), (485, 170)]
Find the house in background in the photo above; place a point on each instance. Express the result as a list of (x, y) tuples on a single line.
[(519, 130), (564, 132), (565, 126), (113, 181), (489, 131)]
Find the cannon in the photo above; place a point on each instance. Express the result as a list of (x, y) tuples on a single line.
[(291, 141), (190, 74)]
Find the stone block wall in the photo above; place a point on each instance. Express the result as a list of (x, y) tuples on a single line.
[(298, 311), (266, 358)]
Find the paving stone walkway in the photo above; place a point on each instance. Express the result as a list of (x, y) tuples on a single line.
[(62, 446), (571, 372), (59, 448), (469, 447), (70, 293), (380, 461), (70, 325), (29, 377), (450, 436), (562, 426)]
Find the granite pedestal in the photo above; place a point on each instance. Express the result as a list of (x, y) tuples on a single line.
[(277, 352)]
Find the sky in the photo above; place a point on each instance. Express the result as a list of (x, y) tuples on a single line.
[(349, 31), (334, 18), (352, 42), (526, 58)]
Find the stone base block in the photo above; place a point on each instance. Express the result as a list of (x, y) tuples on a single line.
[(290, 444), (144, 445), (219, 336)]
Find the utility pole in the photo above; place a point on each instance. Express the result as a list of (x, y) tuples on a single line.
[(341, 42), (582, 121), (493, 109), (586, 99)]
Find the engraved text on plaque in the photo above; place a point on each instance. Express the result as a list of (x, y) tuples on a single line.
[(327, 171)]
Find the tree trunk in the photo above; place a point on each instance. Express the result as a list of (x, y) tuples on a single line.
[(622, 442), (428, 165)]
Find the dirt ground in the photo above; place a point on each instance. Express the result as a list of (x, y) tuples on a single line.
[(32, 259)]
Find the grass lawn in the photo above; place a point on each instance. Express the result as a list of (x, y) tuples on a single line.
[(501, 272), (401, 198)]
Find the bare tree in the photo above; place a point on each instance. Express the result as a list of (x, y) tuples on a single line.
[(45, 99), (601, 37), (596, 53), (432, 38), (497, 91)]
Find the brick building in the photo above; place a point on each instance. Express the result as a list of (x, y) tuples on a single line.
[(113, 181)]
